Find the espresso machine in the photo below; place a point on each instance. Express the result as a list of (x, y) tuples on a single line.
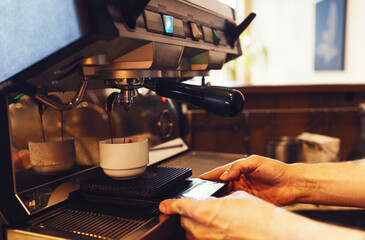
[(75, 68)]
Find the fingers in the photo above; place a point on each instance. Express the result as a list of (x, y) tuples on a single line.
[(188, 224), (233, 170), (185, 207), (239, 167), (239, 195), (195, 230), (189, 236), (182, 206), (215, 173)]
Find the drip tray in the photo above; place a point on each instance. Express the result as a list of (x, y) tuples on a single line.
[(98, 221), (97, 225), (117, 209)]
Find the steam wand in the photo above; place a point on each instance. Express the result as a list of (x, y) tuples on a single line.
[(58, 105), (225, 102), (32, 91)]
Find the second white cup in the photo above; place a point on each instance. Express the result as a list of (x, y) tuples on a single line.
[(124, 159), (53, 156)]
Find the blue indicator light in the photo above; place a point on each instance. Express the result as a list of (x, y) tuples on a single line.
[(169, 24)]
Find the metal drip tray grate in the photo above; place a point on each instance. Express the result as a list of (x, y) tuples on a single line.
[(96, 224)]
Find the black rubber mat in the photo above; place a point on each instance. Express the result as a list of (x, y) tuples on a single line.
[(154, 183)]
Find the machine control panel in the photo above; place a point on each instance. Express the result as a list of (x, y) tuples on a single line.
[(173, 26)]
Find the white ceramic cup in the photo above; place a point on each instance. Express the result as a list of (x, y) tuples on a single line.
[(121, 160), (53, 156)]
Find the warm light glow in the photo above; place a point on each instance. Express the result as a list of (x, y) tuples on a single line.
[(246, 40)]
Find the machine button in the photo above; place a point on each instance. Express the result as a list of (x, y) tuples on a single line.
[(223, 38), (154, 22), (173, 26), (216, 37), (208, 34), (179, 28), (195, 31), (168, 24)]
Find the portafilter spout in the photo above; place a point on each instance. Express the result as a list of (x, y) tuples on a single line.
[(225, 102), (126, 95)]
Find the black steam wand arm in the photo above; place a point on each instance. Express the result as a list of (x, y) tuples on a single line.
[(222, 101)]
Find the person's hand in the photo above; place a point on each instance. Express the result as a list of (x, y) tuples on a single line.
[(236, 216), (265, 178), (243, 216)]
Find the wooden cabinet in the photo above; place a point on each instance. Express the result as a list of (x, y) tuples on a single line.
[(273, 111)]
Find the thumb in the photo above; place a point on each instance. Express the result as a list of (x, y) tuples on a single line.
[(181, 206)]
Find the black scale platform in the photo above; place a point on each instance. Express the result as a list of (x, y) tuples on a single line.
[(155, 183)]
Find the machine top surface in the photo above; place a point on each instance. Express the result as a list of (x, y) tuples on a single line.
[(48, 43)]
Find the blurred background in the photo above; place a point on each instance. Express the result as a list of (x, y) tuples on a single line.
[(302, 71), (279, 46)]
